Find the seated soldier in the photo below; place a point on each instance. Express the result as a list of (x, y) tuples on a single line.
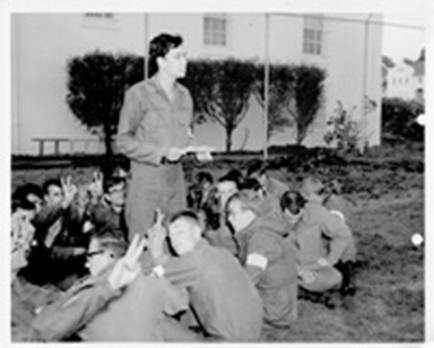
[(107, 204), (117, 302), (200, 191), (59, 244), (25, 297), (206, 185), (29, 192), (324, 242), (218, 233), (257, 169), (334, 202), (224, 301), (268, 258), (269, 203)]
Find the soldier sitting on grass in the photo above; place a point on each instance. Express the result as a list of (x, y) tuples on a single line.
[(334, 201), (217, 231), (107, 204), (116, 302), (326, 249), (222, 297), (59, 244), (258, 170), (26, 298), (268, 258)]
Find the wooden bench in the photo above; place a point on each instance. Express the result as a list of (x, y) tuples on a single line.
[(57, 141)]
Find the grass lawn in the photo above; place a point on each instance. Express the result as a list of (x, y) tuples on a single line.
[(389, 303)]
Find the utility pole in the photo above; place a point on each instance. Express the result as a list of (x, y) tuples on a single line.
[(146, 53), (266, 83)]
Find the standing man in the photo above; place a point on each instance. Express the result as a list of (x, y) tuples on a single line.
[(154, 132)]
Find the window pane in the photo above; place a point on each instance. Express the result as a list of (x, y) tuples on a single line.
[(308, 47), (308, 34), (215, 30)]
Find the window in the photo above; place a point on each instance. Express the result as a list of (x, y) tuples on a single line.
[(313, 35), (419, 94), (100, 15), (215, 30)]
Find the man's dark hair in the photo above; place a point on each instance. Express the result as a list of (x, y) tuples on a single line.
[(108, 240), (159, 47), (204, 176), (233, 175), (185, 214), (293, 201), (251, 184), (119, 172), (22, 204), (50, 182), (256, 167), (22, 191), (113, 181)]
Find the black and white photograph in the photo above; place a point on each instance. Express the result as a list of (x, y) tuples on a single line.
[(205, 174)]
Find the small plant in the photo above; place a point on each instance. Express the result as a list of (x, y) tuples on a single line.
[(344, 132)]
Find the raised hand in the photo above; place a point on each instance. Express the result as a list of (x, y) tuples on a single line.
[(69, 191), (128, 267), (156, 236), (201, 152), (307, 275), (204, 156), (174, 154)]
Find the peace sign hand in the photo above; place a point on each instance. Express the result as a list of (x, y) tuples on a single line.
[(69, 191), (128, 267)]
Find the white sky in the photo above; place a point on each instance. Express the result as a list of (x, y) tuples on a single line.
[(399, 43)]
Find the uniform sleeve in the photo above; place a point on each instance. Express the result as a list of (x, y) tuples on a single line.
[(41, 296), (260, 251), (127, 141), (47, 216), (71, 312), (176, 298), (97, 212), (338, 232), (181, 271)]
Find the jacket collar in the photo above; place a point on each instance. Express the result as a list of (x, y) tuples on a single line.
[(153, 81)]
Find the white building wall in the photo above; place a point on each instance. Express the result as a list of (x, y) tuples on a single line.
[(401, 82), (43, 42)]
